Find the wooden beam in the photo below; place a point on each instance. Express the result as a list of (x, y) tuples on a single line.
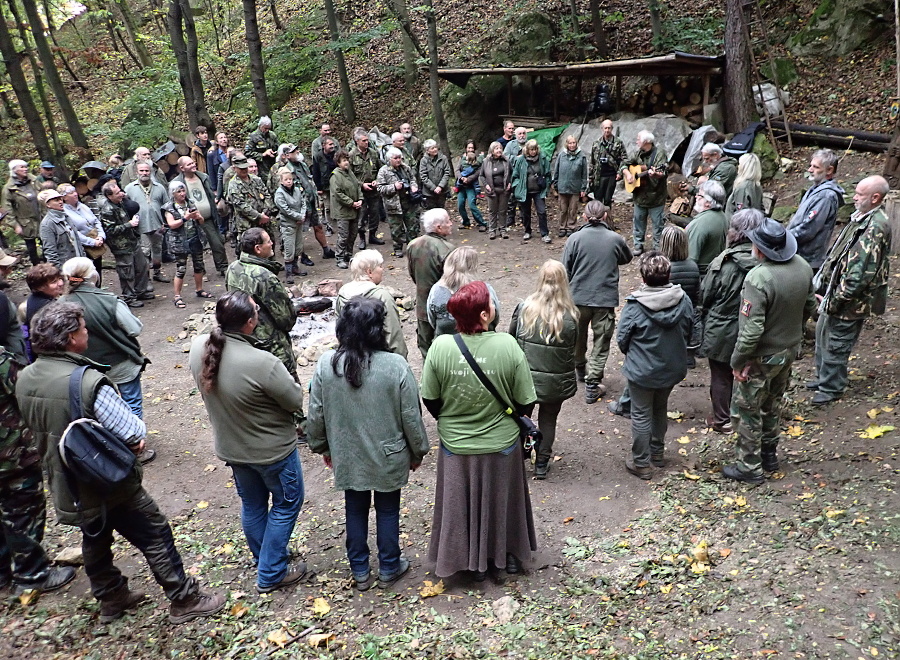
[(509, 94), (556, 93), (705, 91), (619, 93)]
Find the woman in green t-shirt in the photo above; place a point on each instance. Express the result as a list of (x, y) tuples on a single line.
[(480, 461)]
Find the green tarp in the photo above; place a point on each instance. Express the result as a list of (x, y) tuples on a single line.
[(546, 138)]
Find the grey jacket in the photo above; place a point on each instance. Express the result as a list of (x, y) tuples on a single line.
[(58, 238), (151, 211), (386, 180), (434, 173), (291, 205), (373, 432), (653, 333), (592, 258), (570, 172), (814, 220)]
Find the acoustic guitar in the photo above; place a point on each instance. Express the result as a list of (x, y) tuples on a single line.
[(639, 173)]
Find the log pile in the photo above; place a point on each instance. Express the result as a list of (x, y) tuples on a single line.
[(678, 96)]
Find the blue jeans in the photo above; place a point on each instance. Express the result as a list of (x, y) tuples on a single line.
[(387, 530), (640, 224), (268, 530), (468, 195), (132, 395)]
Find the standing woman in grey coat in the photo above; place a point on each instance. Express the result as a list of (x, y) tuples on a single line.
[(546, 327), (368, 452)]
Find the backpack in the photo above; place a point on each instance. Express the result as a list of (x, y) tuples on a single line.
[(91, 455)]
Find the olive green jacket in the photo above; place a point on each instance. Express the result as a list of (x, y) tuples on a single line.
[(344, 190), (551, 360)]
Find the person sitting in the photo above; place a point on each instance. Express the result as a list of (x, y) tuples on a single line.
[(371, 455)]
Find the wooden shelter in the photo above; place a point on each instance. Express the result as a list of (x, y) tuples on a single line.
[(675, 64)]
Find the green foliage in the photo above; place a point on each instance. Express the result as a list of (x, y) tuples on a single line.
[(150, 111), (288, 128), (292, 61), (701, 36)]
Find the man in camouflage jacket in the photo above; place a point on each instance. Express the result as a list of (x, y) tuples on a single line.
[(365, 163), (607, 155), (124, 240), (261, 147), (23, 509), (850, 285), (256, 273), (249, 198), (425, 258)]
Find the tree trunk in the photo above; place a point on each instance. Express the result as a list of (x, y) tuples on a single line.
[(79, 139), (52, 30), (346, 92), (439, 122), (19, 84), (655, 22), (576, 31), (410, 70), (174, 23), (737, 91), (8, 106), (275, 18), (131, 28), (599, 30), (254, 50)]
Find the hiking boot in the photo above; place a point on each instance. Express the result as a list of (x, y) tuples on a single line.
[(812, 384), (134, 303), (387, 579), (769, 460), (580, 372), (147, 295), (541, 468), (193, 607), (546, 238), (294, 574), (57, 578), (492, 235), (822, 399), (364, 582), (616, 409), (526, 236), (288, 274), (732, 472), (114, 606), (342, 265), (513, 565), (361, 242), (305, 260), (725, 428), (640, 472), (658, 460), (637, 250), (374, 240), (159, 276), (593, 392), (504, 234), (146, 456), (327, 253)]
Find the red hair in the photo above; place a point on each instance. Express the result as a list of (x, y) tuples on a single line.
[(466, 306)]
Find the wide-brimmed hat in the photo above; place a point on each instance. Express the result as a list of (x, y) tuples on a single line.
[(6, 259), (240, 163), (773, 240)]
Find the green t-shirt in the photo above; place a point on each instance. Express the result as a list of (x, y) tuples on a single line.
[(471, 419)]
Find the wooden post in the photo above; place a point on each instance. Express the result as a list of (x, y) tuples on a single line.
[(556, 93), (509, 94), (619, 93), (705, 91)]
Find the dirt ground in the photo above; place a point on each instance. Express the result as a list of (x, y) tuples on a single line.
[(684, 566)]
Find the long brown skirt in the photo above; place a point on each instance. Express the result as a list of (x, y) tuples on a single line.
[(482, 511)]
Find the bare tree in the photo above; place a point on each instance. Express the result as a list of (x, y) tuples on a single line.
[(13, 62), (346, 91), (128, 20), (655, 21), (407, 41), (434, 83), (183, 35), (737, 91), (79, 139), (257, 65), (599, 30)]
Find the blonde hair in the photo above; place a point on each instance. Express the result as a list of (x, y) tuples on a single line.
[(459, 268), (749, 169), (364, 261), (549, 303), (531, 145)]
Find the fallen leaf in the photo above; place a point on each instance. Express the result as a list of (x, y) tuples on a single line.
[(724, 552), (873, 413), (566, 521), (874, 431), (642, 583), (833, 513), (794, 431), (700, 552), (318, 640), (666, 588), (806, 496), (430, 589), (740, 500), (202, 505), (239, 609), (279, 637), (321, 607), (692, 477), (700, 568), (675, 414), (209, 468), (887, 409), (29, 597), (683, 440)]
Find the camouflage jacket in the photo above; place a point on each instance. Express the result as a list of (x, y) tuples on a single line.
[(613, 151), (121, 237), (249, 199), (425, 257), (259, 278), (257, 144), (652, 191), (20, 199), (365, 166), (395, 200), (17, 447), (854, 277)]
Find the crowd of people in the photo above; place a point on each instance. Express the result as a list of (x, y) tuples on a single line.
[(720, 281)]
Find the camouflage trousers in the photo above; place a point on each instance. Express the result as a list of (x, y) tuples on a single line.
[(404, 227), (424, 336), (835, 339), (23, 512), (602, 320), (756, 408)]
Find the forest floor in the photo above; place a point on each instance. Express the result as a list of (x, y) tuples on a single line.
[(688, 565)]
